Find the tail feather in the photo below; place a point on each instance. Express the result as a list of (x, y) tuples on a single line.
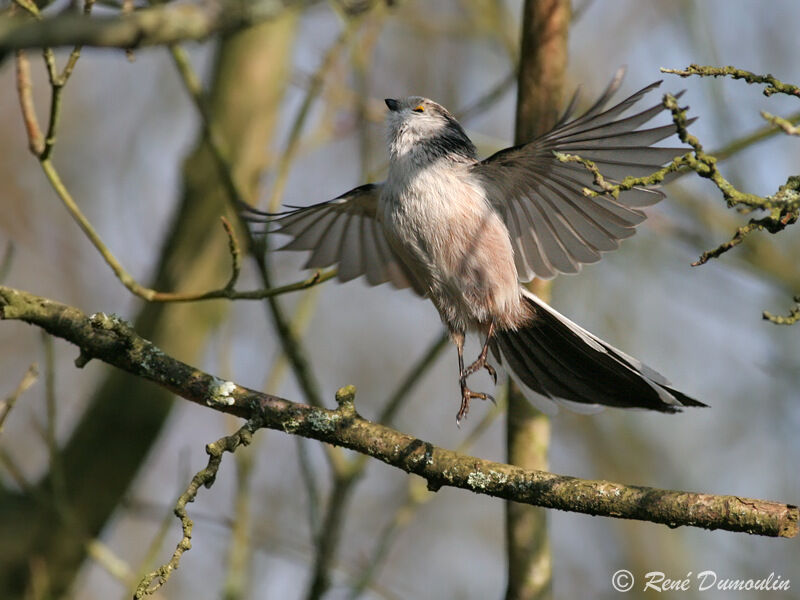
[(563, 362)]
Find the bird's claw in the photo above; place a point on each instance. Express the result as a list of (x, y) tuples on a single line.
[(466, 395), (491, 371)]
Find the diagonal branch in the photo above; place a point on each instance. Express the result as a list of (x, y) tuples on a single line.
[(42, 147), (111, 340), (204, 478)]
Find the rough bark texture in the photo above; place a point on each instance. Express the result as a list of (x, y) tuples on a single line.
[(543, 61), (125, 415), (115, 342)]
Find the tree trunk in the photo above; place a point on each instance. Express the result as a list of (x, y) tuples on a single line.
[(543, 60), (126, 414)]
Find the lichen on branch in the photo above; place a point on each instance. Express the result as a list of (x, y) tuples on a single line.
[(110, 339), (777, 211)]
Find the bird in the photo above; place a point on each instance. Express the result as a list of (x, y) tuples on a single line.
[(467, 233)]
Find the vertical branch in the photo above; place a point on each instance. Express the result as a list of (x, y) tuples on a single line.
[(56, 470), (240, 546), (543, 60)]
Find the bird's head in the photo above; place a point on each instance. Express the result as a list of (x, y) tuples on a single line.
[(422, 130)]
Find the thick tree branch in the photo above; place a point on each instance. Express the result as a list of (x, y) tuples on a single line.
[(162, 24), (111, 340)]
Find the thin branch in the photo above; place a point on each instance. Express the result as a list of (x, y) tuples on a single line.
[(110, 562), (489, 98), (240, 544), (28, 379), (300, 321), (316, 82), (415, 373), (774, 223), (347, 476), (763, 133), (291, 345), (791, 319), (787, 125), (154, 549), (783, 206), (25, 93), (15, 471), (330, 531), (56, 480), (42, 147), (229, 443), (774, 86), (6, 261), (29, 6), (113, 341), (151, 295)]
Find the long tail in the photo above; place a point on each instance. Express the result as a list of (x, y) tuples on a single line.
[(568, 365)]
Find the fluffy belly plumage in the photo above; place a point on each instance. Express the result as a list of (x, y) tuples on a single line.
[(458, 248)]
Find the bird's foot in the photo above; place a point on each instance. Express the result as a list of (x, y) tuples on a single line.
[(466, 395), (481, 363)]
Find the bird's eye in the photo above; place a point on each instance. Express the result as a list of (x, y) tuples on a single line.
[(419, 108)]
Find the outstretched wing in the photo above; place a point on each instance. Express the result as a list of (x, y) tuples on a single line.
[(553, 226), (342, 231)]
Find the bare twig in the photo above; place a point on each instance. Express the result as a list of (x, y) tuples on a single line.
[(787, 125), (6, 261), (347, 476), (229, 443), (25, 92), (748, 140), (300, 321), (225, 292), (42, 147), (56, 470), (774, 86), (489, 98), (774, 223), (28, 379), (288, 155), (154, 549), (240, 545), (783, 206), (110, 562), (791, 319), (291, 344)]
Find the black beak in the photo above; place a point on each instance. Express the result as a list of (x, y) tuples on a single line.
[(393, 104)]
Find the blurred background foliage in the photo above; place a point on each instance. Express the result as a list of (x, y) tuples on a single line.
[(127, 130)]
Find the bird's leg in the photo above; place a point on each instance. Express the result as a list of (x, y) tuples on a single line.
[(481, 363), (466, 393)]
